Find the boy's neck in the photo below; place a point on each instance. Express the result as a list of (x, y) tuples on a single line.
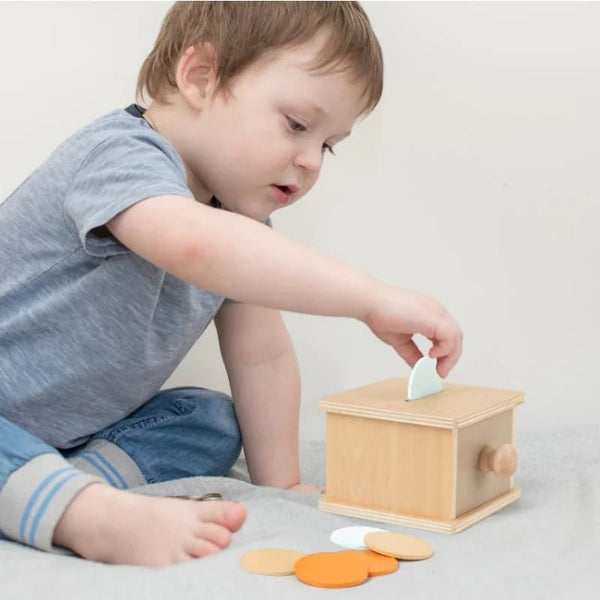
[(165, 120)]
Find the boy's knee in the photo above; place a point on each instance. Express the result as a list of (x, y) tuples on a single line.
[(222, 418), (212, 415)]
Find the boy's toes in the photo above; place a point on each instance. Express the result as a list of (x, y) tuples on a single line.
[(228, 514), (216, 534), (235, 516), (201, 547)]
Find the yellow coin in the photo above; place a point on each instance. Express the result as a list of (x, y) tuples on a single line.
[(398, 545), (271, 561)]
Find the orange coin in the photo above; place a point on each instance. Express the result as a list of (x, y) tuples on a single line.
[(378, 564), (332, 569)]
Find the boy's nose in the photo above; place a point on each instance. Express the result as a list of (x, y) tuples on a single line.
[(310, 158)]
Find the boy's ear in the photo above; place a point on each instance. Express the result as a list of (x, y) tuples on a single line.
[(196, 75)]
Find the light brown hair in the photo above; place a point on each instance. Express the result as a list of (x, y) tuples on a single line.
[(241, 32)]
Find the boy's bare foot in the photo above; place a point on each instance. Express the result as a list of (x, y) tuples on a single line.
[(116, 526)]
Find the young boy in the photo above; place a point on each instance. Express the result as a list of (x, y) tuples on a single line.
[(119, 250)]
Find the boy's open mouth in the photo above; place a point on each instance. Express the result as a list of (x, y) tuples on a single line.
[(288, 189), (283, 194)]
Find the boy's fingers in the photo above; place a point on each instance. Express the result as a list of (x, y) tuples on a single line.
[(443, 368), (409, 352), (447, 352)]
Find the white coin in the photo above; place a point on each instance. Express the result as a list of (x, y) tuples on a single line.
[(424, 379), (352, 537)]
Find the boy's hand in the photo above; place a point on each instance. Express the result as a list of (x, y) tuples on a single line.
[(399, 314)]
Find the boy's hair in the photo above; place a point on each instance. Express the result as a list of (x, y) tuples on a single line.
[(241, 32)]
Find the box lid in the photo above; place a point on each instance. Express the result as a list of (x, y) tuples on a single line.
[(455, 406)]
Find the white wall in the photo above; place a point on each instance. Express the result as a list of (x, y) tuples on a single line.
[(475, 180)]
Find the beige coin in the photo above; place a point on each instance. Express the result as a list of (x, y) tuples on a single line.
[(271, 561), (398, 545)]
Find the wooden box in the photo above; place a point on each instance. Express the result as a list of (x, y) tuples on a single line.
[(441, 463)]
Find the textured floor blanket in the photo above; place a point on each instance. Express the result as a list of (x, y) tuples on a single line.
[(546, 545)]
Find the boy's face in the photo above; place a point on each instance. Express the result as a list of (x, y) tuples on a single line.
[(262, 148)]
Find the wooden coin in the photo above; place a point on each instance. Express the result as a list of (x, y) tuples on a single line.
[(271, 561), (398, 545), (332, 569), (378, 564)]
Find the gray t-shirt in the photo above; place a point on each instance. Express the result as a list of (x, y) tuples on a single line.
[(89, 331)]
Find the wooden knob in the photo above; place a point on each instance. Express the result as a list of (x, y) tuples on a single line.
[(502, 460)]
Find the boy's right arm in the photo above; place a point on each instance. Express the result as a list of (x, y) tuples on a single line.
[(237, 257)]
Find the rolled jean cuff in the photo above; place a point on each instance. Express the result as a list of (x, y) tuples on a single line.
[(35, 497)]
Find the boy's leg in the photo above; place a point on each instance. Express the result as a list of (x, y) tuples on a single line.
[(36, 486), (182, 432), (102, 522)]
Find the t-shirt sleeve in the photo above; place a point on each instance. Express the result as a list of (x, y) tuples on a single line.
[(117, 173)]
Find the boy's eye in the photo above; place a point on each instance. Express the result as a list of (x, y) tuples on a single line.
[(298, 127), (294, 125)]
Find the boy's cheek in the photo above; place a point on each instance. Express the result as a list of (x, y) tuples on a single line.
[(310, 184)]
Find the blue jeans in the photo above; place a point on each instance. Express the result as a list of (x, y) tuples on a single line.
[(182, 432)]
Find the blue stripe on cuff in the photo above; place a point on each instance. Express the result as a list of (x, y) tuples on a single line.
[(100, 468), (34, 498), (109, 466), (45, 503)]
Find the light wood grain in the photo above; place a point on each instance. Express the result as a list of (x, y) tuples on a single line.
[(440, 526), (473, 487), (456, 406), (390, 466), (417, 463)]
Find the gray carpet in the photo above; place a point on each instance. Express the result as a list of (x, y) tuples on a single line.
[(546, 545)]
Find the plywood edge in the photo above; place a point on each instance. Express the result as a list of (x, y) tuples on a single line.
[(333, 407), (384, 517), (495, 410), (480, 512), (453, 526), (454, 473), (384, 415)]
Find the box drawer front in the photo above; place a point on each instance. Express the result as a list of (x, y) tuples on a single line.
[(473, 486), (388, 466)]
